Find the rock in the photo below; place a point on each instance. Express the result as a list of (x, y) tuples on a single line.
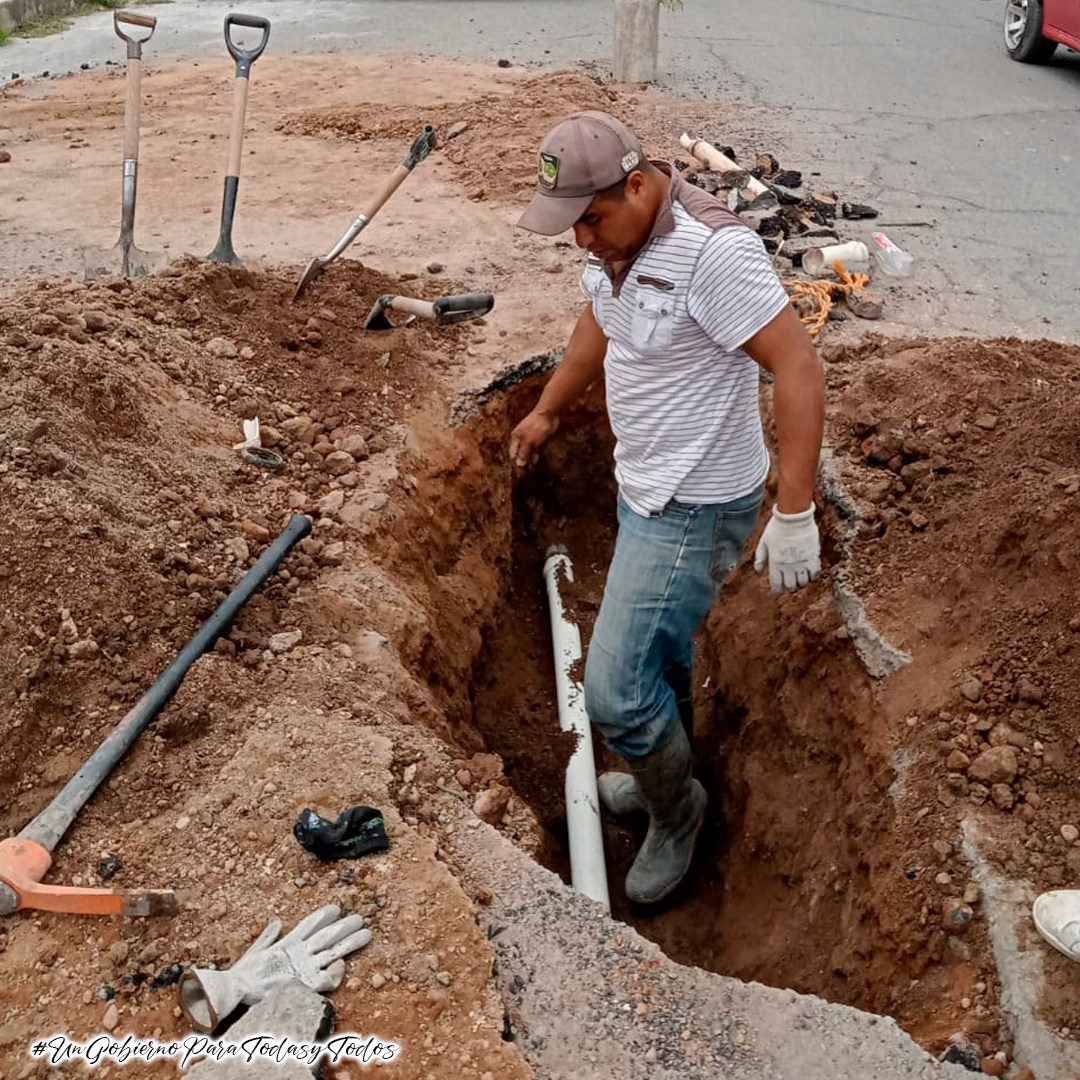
[(1029, 693), (456, 129), (987, 421), (255, 531), (491, 803), (356, 445), (330, 504), (237, 547), (97, 321), (959, 1053), (299, 429), (444, 978), (283, 642), (504, 63), (865, 305), (182, 822), (992, 1066), (1001, 795), (118, 952), (435, 267), (553, 265), (378, 501), (857, 211), (333, 554), (1070, 834), (918, 520), (111, 1018), (998, 765), (971, 689), (247, 353), (972, 893), (377, 981), (339, 462), (107, 867), (5, 156), (957, 761), (83, 650), (222, 347)]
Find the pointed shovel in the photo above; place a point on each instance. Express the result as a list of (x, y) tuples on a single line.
[(124, 258), (422, 145)]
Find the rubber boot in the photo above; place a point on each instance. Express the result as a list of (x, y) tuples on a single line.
[(618, 791), (676, 805)]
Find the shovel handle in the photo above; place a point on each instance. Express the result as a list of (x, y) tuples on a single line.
[(424, 309), (245, 57), (393, 182), (132, 99), (133, 18)]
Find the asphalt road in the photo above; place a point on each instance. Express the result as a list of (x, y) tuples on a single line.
[(913, 107)]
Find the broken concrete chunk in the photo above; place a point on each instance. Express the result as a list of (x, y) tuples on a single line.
[(330, 504), (283, 642), (857, 211), (865, 305)]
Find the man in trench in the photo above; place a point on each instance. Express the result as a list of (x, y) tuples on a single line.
[(683, 305)]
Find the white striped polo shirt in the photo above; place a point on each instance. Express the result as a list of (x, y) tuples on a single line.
[(682, 396)]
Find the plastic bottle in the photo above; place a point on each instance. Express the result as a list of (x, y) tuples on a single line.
[(893, 260)]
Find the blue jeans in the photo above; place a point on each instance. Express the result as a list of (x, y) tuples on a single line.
[(663, 578)]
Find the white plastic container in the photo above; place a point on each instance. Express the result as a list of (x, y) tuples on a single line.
[(818, 262), (893, 260)]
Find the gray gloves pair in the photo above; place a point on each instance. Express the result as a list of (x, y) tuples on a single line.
[(312, 953)]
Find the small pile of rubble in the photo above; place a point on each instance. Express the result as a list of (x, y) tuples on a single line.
[(787, 217)]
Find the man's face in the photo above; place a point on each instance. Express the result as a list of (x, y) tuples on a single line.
[(615, 229)]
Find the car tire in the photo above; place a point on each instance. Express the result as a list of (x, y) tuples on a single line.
[(1024, 39)]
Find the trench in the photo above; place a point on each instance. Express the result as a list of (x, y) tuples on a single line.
[(798, 880)]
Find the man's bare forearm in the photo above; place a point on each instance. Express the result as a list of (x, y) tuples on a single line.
[(798, 406), (582, 364), (784, 348)]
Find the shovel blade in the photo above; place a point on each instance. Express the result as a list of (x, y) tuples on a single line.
[(314, 269), (224, 253), (121, 260)]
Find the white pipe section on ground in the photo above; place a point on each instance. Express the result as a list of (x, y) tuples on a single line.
[(588, 874), (707, 154)]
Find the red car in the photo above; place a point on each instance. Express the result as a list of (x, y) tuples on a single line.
[(1035, 28)]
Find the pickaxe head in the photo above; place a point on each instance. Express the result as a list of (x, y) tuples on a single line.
[(23, 864)]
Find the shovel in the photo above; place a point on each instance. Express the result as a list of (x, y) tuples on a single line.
[(124, 257), (244, 58), (422, 145), (444, 311)]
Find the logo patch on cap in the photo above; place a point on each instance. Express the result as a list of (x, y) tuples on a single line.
[(630, 161), (548, 171)]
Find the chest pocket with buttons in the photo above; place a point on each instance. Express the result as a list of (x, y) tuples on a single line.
[(653, 319)]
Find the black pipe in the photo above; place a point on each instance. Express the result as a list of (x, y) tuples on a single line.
[(55, 820)]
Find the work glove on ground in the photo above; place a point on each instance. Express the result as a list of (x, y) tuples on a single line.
[(791, 546), (311, 954)]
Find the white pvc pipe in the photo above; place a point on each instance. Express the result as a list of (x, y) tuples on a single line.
[(709, 155), (588, 874)]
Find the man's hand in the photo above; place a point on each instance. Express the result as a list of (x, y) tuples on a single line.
[(527, 438), (791, 546)]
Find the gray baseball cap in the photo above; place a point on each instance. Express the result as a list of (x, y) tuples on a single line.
[(581, 155)]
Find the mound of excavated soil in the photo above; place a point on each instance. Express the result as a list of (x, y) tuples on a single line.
[(125, 516), (499, 133)]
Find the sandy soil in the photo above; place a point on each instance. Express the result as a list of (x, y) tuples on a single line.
[(421, 673)]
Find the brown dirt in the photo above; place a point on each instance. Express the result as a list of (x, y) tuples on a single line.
[(423, 673)]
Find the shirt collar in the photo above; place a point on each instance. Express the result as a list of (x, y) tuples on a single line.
[(663, 223)]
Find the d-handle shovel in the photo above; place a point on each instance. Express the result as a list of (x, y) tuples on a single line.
[(443, 312), (422, 145), (124, 257), (244, 59)]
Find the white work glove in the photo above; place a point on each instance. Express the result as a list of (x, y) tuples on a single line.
[(791, 546), (311, 954)]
